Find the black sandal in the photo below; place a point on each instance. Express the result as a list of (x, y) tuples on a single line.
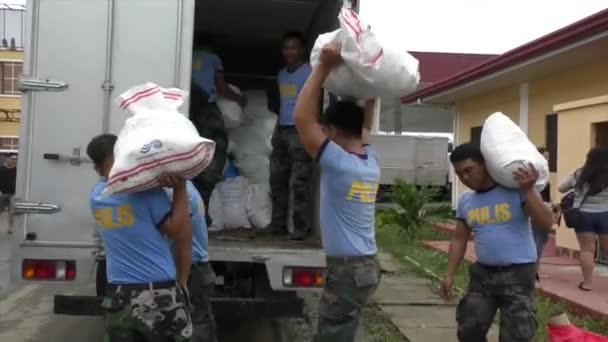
[(582, 288)]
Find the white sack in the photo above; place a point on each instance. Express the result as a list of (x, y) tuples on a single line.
[(216, 212), (156, 139), (505, 148), (371, 68), (256, 168), (249, 139), (257, 103), (259, 205), (231, 111), (228, 204)]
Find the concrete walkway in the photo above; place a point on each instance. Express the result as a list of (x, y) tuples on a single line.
[(414, 306)]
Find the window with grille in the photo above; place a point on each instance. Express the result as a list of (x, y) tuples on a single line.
[(9, 143), (10, 73)]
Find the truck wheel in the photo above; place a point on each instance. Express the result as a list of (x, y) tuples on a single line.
[(101, 278)]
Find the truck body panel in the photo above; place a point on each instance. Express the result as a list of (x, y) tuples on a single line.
[(420, 159)]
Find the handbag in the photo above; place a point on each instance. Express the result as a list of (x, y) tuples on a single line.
[(572, 215)]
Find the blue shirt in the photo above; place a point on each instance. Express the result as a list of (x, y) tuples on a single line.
[(500, 224), (205, 65), (136, 250), (290, 85), (349, 184), (200, 235)]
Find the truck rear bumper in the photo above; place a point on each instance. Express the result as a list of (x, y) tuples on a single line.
[(231, 307)]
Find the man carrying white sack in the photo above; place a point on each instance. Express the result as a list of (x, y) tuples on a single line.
[(289, 159), (146, 295), (505, 272), (207, 84), (349, 183)]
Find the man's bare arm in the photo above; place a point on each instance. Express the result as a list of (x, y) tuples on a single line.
[(458, 247), (178, 227)]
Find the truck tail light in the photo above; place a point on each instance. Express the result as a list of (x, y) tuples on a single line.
[(34, 269), (303, 277)]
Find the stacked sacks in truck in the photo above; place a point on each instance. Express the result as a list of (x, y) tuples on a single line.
[(250, 147), (252, 155)]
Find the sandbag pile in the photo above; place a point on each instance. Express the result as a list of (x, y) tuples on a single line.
[(506, 148), (372, 67), (156, 139), (250, 145)]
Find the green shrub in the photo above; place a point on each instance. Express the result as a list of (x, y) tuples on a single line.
[(415, 210)]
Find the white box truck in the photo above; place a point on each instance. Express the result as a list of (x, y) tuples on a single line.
[(79, 56)]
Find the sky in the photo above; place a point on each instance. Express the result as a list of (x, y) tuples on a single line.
[(471, 26)]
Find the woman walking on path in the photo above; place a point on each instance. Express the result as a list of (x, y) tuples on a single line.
[(590, 184)]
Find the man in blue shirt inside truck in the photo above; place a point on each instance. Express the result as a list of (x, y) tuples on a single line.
[(505, 272), (146, 294), (349, 183), (207, 84), (289, 160)]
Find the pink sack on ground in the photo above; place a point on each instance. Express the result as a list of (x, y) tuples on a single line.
[(156, 139), (570, 333)]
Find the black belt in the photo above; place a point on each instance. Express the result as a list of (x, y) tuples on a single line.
[(143, 286), (349, 259), (506, 267)]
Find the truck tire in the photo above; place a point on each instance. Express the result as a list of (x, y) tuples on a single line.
[(101, 278)]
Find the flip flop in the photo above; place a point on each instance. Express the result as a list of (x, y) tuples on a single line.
[(582, 288)]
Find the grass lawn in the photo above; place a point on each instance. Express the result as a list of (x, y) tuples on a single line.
[(389, 240)]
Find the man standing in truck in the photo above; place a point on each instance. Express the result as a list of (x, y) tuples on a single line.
[(146, 294), (349, 183), (207, 84), (289, 162)]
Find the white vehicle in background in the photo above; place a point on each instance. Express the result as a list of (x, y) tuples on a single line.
[(79, 56), (414, 157)]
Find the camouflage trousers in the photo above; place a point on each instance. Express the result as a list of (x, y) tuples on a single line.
[(210, 124), (202, 284), (349, 285), (157, 315), (510, 289), (289, 163)]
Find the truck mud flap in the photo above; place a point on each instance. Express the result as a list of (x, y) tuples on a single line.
[(227, 307)]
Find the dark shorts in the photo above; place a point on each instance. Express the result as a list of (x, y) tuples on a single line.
[(510, 289), (593, 223)]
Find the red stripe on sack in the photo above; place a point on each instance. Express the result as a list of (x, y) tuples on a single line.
[(174, 98), (136, 94), (157, 162), (152, 164), (375, 59), (353, 21), (141, 95), (352, 28), (188, 173)]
